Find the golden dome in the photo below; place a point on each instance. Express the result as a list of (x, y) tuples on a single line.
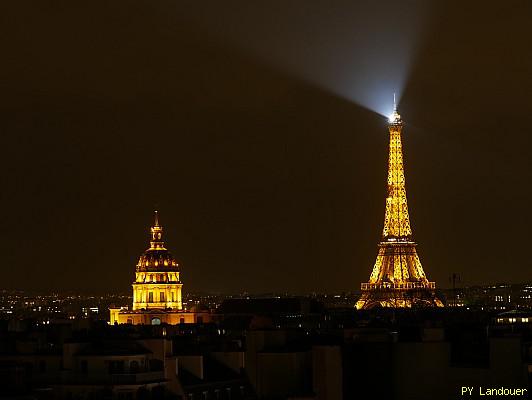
[(157, 258)]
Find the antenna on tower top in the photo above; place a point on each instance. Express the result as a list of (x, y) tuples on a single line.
[(156, 218), (394, 118)]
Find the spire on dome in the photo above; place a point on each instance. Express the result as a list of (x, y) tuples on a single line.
[(156, 234), (156, 258)]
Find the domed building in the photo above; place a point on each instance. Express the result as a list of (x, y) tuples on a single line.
[(157, 288), (157, 283)]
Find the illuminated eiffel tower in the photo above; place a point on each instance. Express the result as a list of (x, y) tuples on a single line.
[(398, 279)]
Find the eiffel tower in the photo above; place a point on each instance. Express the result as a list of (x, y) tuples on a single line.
[(397, 279)]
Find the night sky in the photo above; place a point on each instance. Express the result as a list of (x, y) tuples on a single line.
[(267, 164)]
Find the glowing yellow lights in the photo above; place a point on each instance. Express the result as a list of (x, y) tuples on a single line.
[(396, 219), (397, 268), (160, 288)]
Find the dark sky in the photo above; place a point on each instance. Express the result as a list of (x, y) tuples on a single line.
[(268, 171)]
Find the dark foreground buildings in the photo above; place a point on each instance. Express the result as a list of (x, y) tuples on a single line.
[(272, 348)]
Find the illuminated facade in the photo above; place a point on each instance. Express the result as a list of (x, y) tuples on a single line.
[(157, 283), (157, 296), (397, 279)]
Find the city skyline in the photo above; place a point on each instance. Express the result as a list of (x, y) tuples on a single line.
[(265, 180)]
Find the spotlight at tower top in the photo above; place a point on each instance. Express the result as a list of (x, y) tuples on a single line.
[(394, 118)]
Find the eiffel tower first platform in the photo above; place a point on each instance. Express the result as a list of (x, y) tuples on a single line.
[(397, 279)]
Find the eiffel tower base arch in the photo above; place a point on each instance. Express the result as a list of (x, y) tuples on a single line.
[(398, 298)]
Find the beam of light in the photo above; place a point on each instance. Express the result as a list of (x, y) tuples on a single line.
[(361, 51)]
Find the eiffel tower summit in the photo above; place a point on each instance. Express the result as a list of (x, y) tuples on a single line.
[(397, 279)]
